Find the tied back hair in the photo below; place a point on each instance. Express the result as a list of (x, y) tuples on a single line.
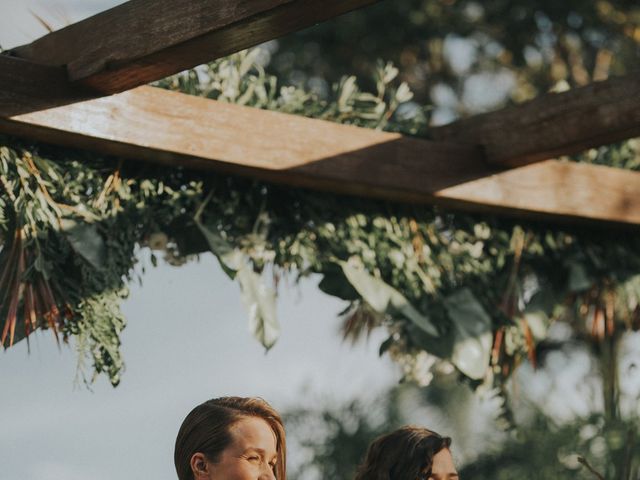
[(404, 454)]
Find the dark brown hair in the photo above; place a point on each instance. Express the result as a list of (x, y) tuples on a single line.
[(206, 430), (403, 454)]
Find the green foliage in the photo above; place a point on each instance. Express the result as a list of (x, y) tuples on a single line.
[(439, 282), (541, 43), (332, 440), (586, 448), (60, 268), (241, 79), (70, 222)]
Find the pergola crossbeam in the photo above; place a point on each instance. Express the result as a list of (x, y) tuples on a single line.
[(172, 128), (553, 124), (141, 41)]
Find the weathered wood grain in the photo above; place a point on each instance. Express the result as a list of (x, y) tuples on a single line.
[(554, 124), (172, 128), (142, 41), (27, 87)]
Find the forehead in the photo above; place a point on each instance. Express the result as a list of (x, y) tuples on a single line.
[(443, 463), (253, 432)]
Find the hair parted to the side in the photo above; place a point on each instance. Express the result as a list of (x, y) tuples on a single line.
[(206, 430), (406, 453)]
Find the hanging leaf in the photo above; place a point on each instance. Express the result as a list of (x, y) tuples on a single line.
[(335, 283), (539, 309), (348, 89), (579, 279), (223, 251), (86, 241), (629, 293), (383, 298), (260, 301), (440, 346), (473, 336)]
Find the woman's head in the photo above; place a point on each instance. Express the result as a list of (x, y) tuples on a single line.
[(233, 438), (409, 453)]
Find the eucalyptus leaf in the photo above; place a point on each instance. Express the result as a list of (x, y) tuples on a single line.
[(539, 309), (86, 241), (383, 298), (348, 89), (579, 279), (630, 291), (538, 323), (223, 251), (473, 335), (544, 300), (384, 346), (440, 346), (336, 284), (260, 301)]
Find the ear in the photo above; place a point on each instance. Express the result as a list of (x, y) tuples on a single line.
[(199, 466)]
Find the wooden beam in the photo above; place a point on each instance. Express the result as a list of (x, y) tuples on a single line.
[(555, 189), (549, 126), (28, 87), (142, 41), (176, 129), (554, 124)]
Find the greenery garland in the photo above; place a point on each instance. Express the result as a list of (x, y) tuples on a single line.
[(473, 293)]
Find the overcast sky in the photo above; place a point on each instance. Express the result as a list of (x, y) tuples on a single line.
[(18, 18), (187, 341)]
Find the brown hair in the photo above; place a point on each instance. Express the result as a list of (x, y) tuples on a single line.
[(403, 454), (206, 430)]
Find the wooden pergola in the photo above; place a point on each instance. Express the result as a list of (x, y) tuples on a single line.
[(81, 87)]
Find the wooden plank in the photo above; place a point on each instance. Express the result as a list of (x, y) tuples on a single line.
[(172, 128), (177, 129), (27, 87), (565, 189), (142, 41), (554, 124)]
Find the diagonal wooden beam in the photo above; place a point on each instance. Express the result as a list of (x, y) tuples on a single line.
[(28, 87), (142, 41), (176, 129), (554, 124), (551, 125), (157, 125)]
